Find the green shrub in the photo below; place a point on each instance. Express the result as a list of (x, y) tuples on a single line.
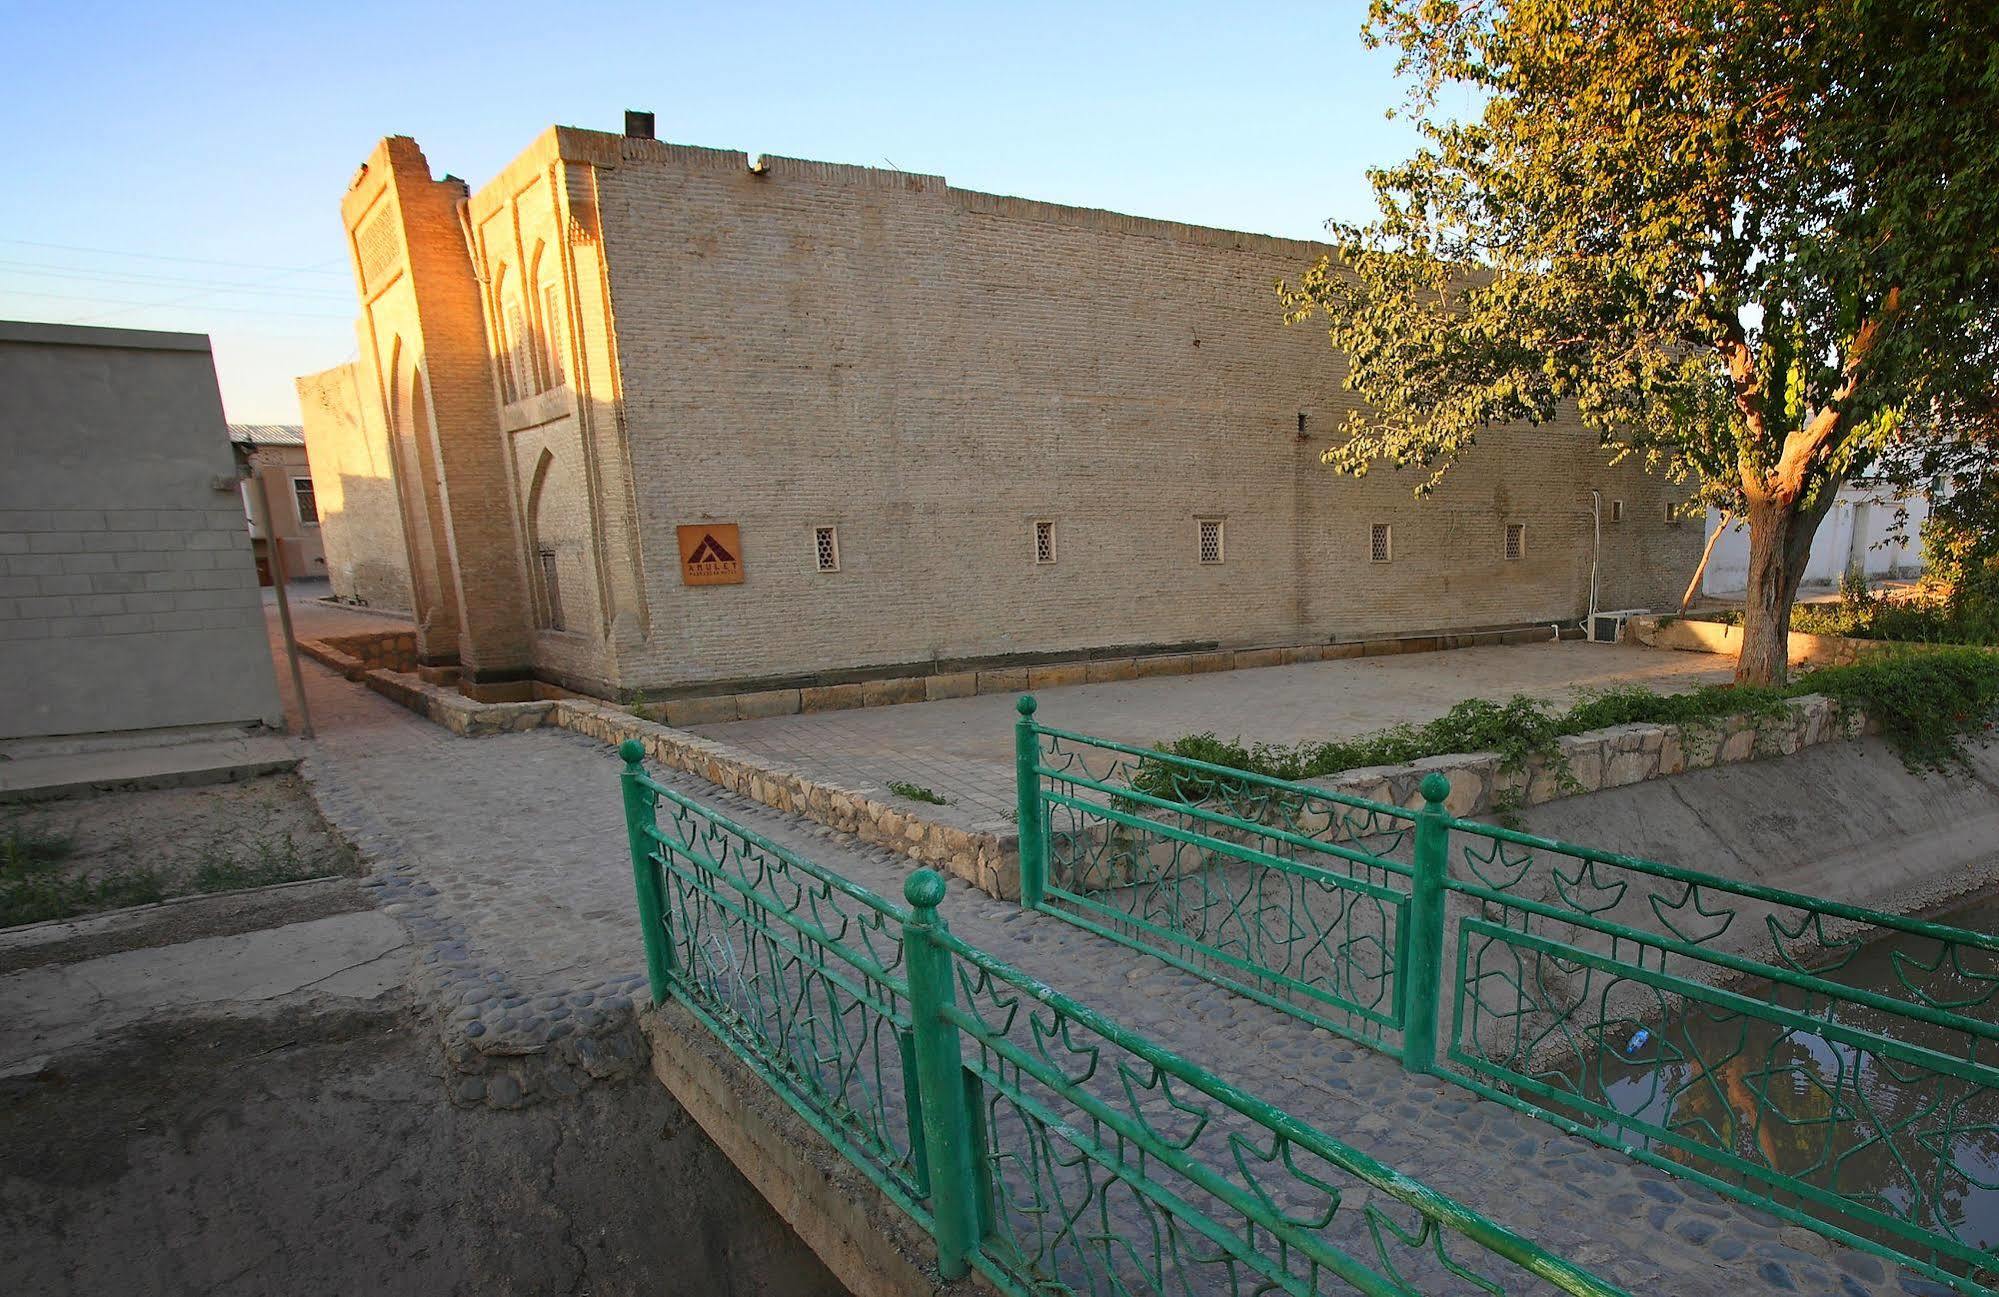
[(1930, 706)]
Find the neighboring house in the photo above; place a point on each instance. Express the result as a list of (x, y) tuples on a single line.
[(360, 518), (1865, 533), (275, 455), (128, 596), (666, 418)]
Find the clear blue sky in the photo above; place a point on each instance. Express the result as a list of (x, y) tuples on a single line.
[(180, 166)]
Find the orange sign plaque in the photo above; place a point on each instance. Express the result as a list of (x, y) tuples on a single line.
[(711, 553)]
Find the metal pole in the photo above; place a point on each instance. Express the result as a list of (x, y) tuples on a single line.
[(940, 1064), (641, 814), (1423, 971), (1027, 790), (277, 554)]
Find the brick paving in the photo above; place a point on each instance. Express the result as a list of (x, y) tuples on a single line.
[(962, 748), (507, 858)]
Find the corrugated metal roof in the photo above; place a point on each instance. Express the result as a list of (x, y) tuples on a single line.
[(267, 434)]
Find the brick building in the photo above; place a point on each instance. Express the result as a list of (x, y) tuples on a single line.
[(274, 457), (673, 419)]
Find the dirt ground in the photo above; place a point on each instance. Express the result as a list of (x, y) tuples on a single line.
[(80, 855), (318, 1155)]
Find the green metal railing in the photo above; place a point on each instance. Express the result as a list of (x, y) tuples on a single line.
[(1038, 1141), (1831, 1064)]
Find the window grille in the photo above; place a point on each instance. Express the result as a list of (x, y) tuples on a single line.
[(1211, 540), (1044, 541), (308, 501), (1516, 539), (1380, 548), (826, 548), (551, 589)]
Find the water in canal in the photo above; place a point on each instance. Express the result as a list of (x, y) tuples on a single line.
[(1897, 1136)]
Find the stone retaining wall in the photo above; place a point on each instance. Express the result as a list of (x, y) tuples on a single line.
[(1694, 635), (989, 860), (1606, 758), (355, 655)]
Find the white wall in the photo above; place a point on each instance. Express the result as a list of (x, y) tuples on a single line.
[(1858, 533), (128, 596)]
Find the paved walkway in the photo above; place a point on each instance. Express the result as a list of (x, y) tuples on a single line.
[(506, 858), (962, 748)]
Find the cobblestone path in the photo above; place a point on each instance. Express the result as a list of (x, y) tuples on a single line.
[(506, 857)]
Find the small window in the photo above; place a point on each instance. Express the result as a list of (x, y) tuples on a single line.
[(1672, 514), (826, 548), (1211, 540), (1516, 539), (1617, 511), (551, 589), (1044, 541), (1380, 544), (308, 501)]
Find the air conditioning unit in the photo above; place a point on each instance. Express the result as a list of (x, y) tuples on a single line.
[(1608, 627)]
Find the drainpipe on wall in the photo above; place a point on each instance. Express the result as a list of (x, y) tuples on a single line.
[(1595, 553)]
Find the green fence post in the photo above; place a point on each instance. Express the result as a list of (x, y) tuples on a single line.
[(640, 816), (1027, 793), (940, 1063), (1422, 973)]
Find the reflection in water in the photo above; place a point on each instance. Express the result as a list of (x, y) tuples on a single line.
[(1903, 1137)]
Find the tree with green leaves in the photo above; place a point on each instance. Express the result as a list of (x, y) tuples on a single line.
[(1753, 242)]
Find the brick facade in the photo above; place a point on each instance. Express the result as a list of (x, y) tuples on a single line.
[(673, 336), (360, 516)]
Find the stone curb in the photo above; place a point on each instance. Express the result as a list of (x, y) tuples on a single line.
[(1608, 758)]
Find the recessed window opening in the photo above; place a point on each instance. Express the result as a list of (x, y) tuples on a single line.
[(308, 501), (1044, 540), (1380, 547), (1210, 539), (1516, 539), (826, 548), (551, 327), (1672, 515), (1617, 511)]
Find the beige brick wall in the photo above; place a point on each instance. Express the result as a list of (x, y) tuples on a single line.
[(931, 369), (360, 522), (636, 336), (426, 354)]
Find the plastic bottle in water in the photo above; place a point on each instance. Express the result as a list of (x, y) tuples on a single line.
[(1637, 1041)]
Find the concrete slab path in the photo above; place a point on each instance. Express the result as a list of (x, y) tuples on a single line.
[(962, 748), (59, 1007), (507, 857)]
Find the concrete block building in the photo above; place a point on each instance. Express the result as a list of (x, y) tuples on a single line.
[(680, 420), (128, 595)]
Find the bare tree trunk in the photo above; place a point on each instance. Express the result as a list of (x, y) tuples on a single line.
[(1700, 569), (1780, 547)]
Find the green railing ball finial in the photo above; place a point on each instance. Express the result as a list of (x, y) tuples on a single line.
[(1024, 704), (632, 751), (924, 889), (1436, 786)]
